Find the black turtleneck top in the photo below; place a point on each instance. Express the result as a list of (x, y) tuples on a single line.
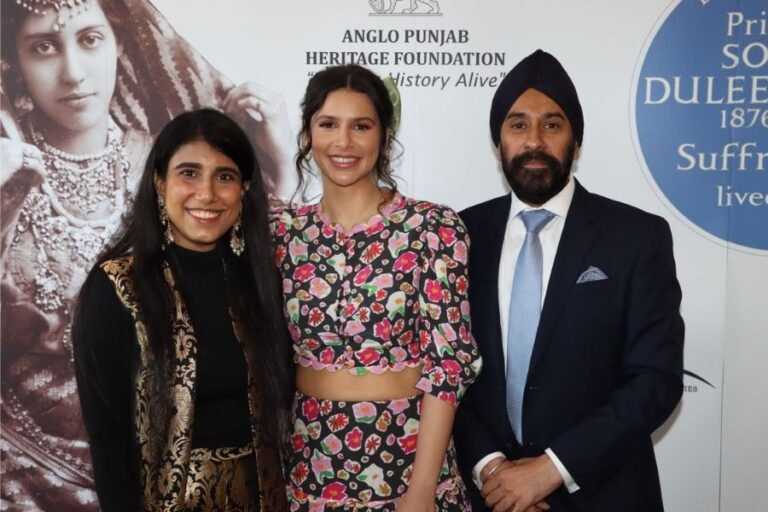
[(107, 354)]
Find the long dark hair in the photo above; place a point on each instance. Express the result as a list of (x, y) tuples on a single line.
[(252, 283), (354, 78)]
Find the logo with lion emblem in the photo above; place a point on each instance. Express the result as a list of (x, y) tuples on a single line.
[(405, 8)]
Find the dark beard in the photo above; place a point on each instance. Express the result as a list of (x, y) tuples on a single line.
[(537, 186)]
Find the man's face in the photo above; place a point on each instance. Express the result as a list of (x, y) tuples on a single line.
[(537, 148)]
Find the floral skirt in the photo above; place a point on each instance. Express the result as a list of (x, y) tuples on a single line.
[(359, 456)]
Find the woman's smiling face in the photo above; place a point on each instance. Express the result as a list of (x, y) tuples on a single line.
[(346, 134), (202, 191)]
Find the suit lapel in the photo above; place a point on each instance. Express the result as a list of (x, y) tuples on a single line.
[(578, 236), (491, 249)]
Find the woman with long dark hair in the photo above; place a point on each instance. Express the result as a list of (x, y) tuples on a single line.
[(375, 286), (84, 86), (180, 348)]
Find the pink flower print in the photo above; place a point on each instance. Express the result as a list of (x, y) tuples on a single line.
[(372, 252), (364, 314), (351, 465), (292, 308), (280, 252), (304, 272), (433, 241), (362, 276), (383, 281), (311, 233), (448, 235), (383, 330), (441, 272), (297, 250), (397, 242), (395, 304), (287, 286), (405, 262), (377, 307), (433, 290), (368, 356), (450, 367), (310, 343), (354, 439), (437, 376), (462, 285), (408, 443), (375, 228), (460, 252), (338, 422), (447, 331), (315, 317), (453, 314), (353, 327), (314, 430), (281, 229), (414, 221), (310, 409), (297, 442), (381, 295), (397, 328), (319, 288), (327, 356), (387, 457), (327, 231), (447, 396), (321, 466), (372, 444), (325, 407), (405, 339), (397, 355), (373, 477), (324, 251), (398, 405), (299, 473), (441, 343), (303, 210), (331, 445), (365, 412), (384, 421), (464, 309)]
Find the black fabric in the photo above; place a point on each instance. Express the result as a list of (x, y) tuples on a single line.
[(221, 393), (543, 72), (106, 356)]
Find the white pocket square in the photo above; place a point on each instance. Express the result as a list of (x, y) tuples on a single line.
[(591, 274)]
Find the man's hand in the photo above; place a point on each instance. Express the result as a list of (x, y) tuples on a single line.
[(522, 485)]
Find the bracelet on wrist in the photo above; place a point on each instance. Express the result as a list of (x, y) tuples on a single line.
[(494, 469)]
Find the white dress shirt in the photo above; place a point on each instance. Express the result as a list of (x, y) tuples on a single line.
[(514, 235)]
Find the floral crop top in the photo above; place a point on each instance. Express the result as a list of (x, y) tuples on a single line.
[(388, 294)]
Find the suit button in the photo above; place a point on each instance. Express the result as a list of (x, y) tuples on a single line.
[(532, 388), (529, 444)]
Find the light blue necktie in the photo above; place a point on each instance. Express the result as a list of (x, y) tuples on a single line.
[(524, 312)]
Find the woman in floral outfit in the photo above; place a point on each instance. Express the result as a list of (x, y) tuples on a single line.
[(375, 288)]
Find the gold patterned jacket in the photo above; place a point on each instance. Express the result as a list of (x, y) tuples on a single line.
[(164, 478)]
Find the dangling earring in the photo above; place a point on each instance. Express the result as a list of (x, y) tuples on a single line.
[(236, 239), (23, 104), (165, 221)]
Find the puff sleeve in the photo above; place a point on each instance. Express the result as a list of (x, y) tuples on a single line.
[(450, 357)]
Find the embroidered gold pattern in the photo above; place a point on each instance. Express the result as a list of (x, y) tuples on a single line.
[(181, 479)]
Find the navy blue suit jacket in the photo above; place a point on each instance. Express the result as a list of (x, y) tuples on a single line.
[(607, 362)]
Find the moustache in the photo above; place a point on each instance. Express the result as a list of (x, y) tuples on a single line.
[(520, 160)]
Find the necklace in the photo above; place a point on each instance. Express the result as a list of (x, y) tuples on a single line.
[(71, 217), (83, 183)]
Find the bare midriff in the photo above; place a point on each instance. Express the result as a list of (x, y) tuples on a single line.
[(343, 385)]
